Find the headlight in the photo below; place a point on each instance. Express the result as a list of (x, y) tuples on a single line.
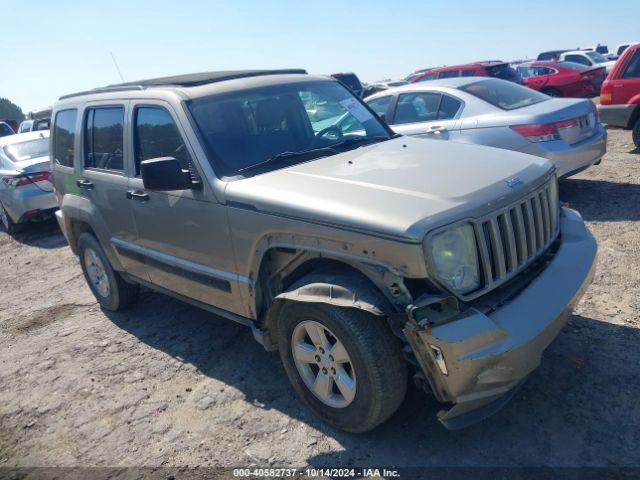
[(455, 258)]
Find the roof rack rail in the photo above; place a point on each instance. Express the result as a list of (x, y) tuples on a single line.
[(189, 80)]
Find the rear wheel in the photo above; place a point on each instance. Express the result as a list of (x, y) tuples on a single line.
[(345, 364), (6, 221), (552, 92), (636, 133), (111, 290)]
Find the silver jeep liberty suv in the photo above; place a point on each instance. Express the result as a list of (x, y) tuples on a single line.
[(279, 200)]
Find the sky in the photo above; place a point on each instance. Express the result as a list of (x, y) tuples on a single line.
[(54, 47)]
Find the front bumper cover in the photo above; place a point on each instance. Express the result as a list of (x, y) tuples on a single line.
[(488, 356)]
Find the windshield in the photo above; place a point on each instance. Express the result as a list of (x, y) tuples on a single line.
[(19, 152), (504, 95), (249, 127), (596, 57)]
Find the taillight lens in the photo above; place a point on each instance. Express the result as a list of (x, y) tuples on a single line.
[(25, 178), (538, 132), (605, 94)]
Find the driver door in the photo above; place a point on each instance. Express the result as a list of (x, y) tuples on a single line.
[(183, 235)]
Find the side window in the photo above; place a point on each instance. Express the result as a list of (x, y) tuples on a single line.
[(64, 134), (449, 74), (467, 73), (430, 76), (633, 68), (417, 107), (156, 135), (449, 106), (577, 59), (380, 105), (104, 138)]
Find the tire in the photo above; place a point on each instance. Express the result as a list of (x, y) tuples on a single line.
[(636, 133), (377, 366), (552, 92), (6, 221), (118, 293)]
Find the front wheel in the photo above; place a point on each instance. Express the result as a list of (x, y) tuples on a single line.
[(345, 364), (636, 133), (111, 290)]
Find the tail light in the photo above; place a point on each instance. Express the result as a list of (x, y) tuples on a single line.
[(605, 94), (25, 178), (538, 132), (543, 132)]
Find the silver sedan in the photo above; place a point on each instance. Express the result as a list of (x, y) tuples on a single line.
[(497, 113), (26, 192)]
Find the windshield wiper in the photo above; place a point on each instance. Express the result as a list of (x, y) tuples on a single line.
[(287, 155), (356, 140)]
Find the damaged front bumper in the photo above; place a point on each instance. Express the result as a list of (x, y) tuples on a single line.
[(475, 361)]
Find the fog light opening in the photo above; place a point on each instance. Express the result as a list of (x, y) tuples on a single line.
[(439, 359)]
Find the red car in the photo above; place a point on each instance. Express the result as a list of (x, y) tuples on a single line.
[(620, 95), (562, 79), (491, 68)]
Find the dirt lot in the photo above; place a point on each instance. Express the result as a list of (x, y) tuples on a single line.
[(167, 384)]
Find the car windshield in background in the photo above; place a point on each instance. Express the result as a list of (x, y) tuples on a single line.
[(19, 152), (596, 57), (504, 95), (572, 66), (299, 120), (505, 72)]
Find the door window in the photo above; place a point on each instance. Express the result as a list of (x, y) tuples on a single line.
[(417, 107), (64, 134), (449, 107), (380, 105), (104, 138), (449, 74), (156, 135), (633, 69)]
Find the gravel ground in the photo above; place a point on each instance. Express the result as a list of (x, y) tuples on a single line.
[(167, 384)]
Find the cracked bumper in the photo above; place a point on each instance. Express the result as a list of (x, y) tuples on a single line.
[(489, 356)]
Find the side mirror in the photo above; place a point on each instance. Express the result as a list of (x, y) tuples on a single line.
[(164, 174)]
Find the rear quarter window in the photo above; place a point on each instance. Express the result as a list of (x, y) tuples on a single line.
[(504, 95), (64, 134)]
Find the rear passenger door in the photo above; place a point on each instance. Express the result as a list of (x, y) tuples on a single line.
[(183, 235), (426, 114), (104, 177)]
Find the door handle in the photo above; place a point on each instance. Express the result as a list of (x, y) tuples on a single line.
[(85, 184), (436, 130), (139, 196)]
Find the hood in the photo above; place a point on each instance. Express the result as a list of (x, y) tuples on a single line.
[(399, 188)]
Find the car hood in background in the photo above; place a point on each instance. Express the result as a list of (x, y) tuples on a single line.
[(400, 187)]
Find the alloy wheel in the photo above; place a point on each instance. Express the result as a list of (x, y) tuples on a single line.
[(324, 364), (97, 273)]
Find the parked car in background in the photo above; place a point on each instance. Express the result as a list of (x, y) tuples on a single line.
[(620, 96), (622, 47), (492, 68), (587, 58), (5, 129), (351, 81), (37, 120), (373, 88), (562, 79), (551, 54), (601, 49), (497, 113), (364, 257), (14, 124), (26, 193)]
